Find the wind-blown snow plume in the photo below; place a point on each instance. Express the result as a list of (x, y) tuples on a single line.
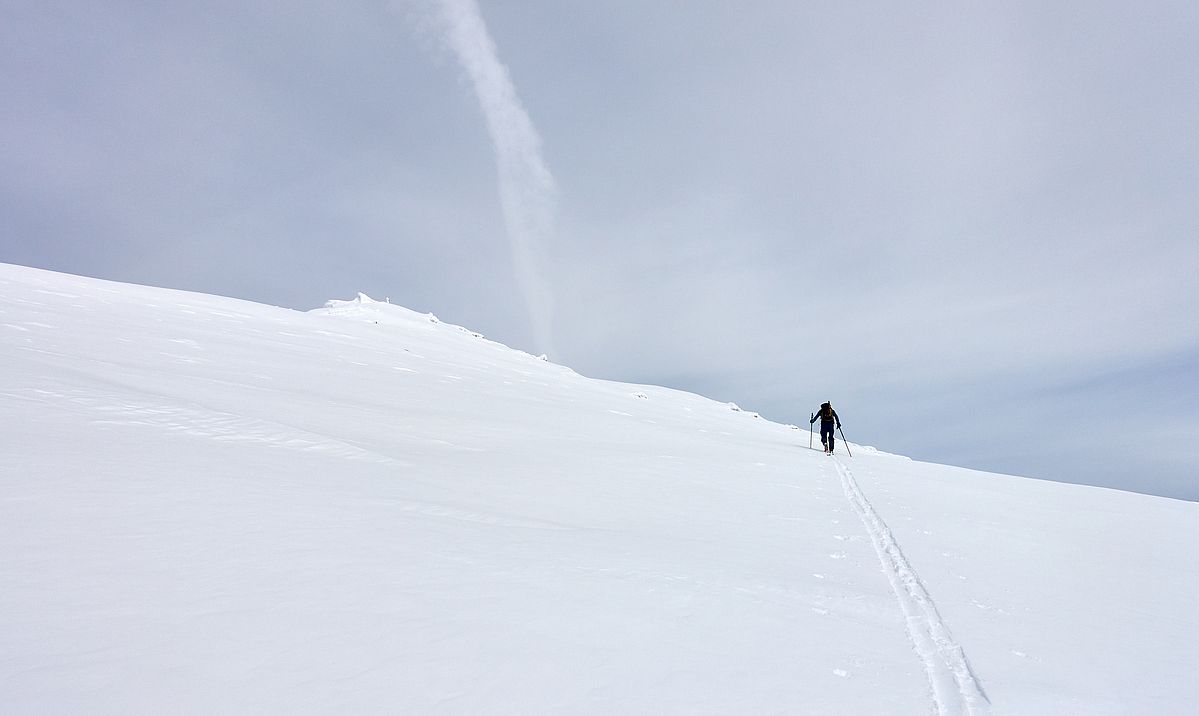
[(527, 189)]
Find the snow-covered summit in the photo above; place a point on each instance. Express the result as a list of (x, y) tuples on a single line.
[(210, 505), (365, 307)]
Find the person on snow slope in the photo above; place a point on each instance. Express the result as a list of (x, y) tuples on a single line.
[(828, 419)]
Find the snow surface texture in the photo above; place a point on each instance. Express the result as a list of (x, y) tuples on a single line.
[(213, 506)]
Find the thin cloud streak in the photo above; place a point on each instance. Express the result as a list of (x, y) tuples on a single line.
[(528, 193)]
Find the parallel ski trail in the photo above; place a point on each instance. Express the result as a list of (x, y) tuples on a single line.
[(955, 688)]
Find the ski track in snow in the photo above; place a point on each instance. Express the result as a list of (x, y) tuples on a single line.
[(955, 688)]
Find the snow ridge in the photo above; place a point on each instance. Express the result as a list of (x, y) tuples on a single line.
[(955, 688), (118, 409)]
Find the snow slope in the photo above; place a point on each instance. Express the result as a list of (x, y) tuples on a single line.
[(214, 506)]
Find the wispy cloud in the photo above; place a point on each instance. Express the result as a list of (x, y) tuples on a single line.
[(527, 189)]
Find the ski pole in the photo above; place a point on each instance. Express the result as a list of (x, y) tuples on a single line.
[(844, 440), (811, 430)]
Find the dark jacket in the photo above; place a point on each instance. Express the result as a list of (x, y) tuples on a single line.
[(826, 420)]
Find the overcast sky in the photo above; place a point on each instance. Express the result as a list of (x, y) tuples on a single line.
[(973, 228)]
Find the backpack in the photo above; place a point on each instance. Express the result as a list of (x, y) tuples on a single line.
[(826, 411)]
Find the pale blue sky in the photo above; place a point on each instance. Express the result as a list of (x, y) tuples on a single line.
[(972, 228)]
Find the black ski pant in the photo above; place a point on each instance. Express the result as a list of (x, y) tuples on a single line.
[(826, 434)]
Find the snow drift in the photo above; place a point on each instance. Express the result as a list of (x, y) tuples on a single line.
[(210, 505)]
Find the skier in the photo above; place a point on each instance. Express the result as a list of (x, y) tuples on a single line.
[(828, 418)]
